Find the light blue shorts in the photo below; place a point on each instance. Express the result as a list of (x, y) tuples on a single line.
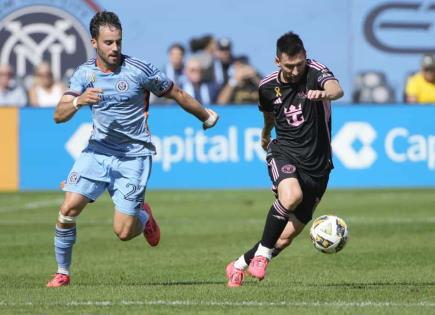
[(125, 178)]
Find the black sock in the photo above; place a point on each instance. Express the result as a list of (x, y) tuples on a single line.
[(275, 223), (276, 251), (250, 253)]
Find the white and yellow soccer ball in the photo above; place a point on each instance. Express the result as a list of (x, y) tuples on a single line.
[(329, 234)]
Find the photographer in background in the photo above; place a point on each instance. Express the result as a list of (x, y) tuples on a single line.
[(242, 88), (420, 87)]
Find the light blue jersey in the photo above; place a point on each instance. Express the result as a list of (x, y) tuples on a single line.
[(119, 122)]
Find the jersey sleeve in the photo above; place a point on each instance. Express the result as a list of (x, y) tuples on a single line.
[(324, 75), (77, 83), (263, 104), (154, 80)]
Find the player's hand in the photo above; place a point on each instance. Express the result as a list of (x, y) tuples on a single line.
[(316, 95), (90, 96), (211, 120)]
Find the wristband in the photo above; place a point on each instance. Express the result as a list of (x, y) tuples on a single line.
[(74, 103), (210, 120)]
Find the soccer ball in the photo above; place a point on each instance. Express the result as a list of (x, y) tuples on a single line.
[(329, 234)]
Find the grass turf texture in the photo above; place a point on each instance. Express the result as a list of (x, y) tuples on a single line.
[(386, 268)]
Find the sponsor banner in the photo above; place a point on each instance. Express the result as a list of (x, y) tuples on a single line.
[(384, 146), (374, 146), (8, 149)]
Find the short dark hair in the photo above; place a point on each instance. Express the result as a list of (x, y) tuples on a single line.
[(103, 18), (289, 43), (177, 46), (201, 43)]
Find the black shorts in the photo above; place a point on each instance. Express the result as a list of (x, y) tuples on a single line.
[(313, 188)]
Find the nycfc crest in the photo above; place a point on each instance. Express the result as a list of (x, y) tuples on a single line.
[(122, 86), (31, 34)]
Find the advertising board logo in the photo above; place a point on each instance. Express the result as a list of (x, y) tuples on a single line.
[(402, 27), (352, 145), (39, 33)]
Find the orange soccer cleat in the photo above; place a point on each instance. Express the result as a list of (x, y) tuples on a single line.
[(59, 280), (257, 267), (235, 276)]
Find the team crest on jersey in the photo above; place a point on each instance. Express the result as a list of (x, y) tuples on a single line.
[(73, 178), (288, 169), (122, 86)]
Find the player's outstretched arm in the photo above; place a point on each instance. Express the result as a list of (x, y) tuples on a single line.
[(331, 92), (69, 105), (192, 106)]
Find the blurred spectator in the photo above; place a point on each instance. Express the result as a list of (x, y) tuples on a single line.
[(420, 87), (175, 66), (223, 61), (174, 69), (45, 91), (372, 87), (204, 91), (243, 87), (11, 94), (203, 49)]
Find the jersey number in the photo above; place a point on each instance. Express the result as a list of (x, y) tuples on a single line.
[(133, 189)]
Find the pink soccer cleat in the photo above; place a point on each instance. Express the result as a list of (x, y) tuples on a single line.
[(152, 230), (257, 267), (235, 276), (59, 280)]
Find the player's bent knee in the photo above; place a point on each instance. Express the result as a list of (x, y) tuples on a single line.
[(124, 235), (69, 210), (124, 232), (291, 201)]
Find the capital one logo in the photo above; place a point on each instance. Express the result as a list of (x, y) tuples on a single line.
[(352, 145), (34, 34)]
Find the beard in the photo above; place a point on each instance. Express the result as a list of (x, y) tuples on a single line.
[(110, 61)]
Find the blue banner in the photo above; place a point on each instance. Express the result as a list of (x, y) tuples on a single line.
[(374, 146)]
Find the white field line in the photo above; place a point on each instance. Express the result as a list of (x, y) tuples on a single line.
[(391, 220), (32, 205), (350, 221), (215, 303)]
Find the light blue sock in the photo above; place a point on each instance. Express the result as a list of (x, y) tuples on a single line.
[(143, 218), (63, 244)]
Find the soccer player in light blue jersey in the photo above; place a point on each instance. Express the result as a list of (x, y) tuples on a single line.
[(119, 154)]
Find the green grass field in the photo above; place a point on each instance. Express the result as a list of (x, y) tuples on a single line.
[(388, 266)]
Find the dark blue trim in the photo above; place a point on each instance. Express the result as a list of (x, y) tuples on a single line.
[(142, 66)]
